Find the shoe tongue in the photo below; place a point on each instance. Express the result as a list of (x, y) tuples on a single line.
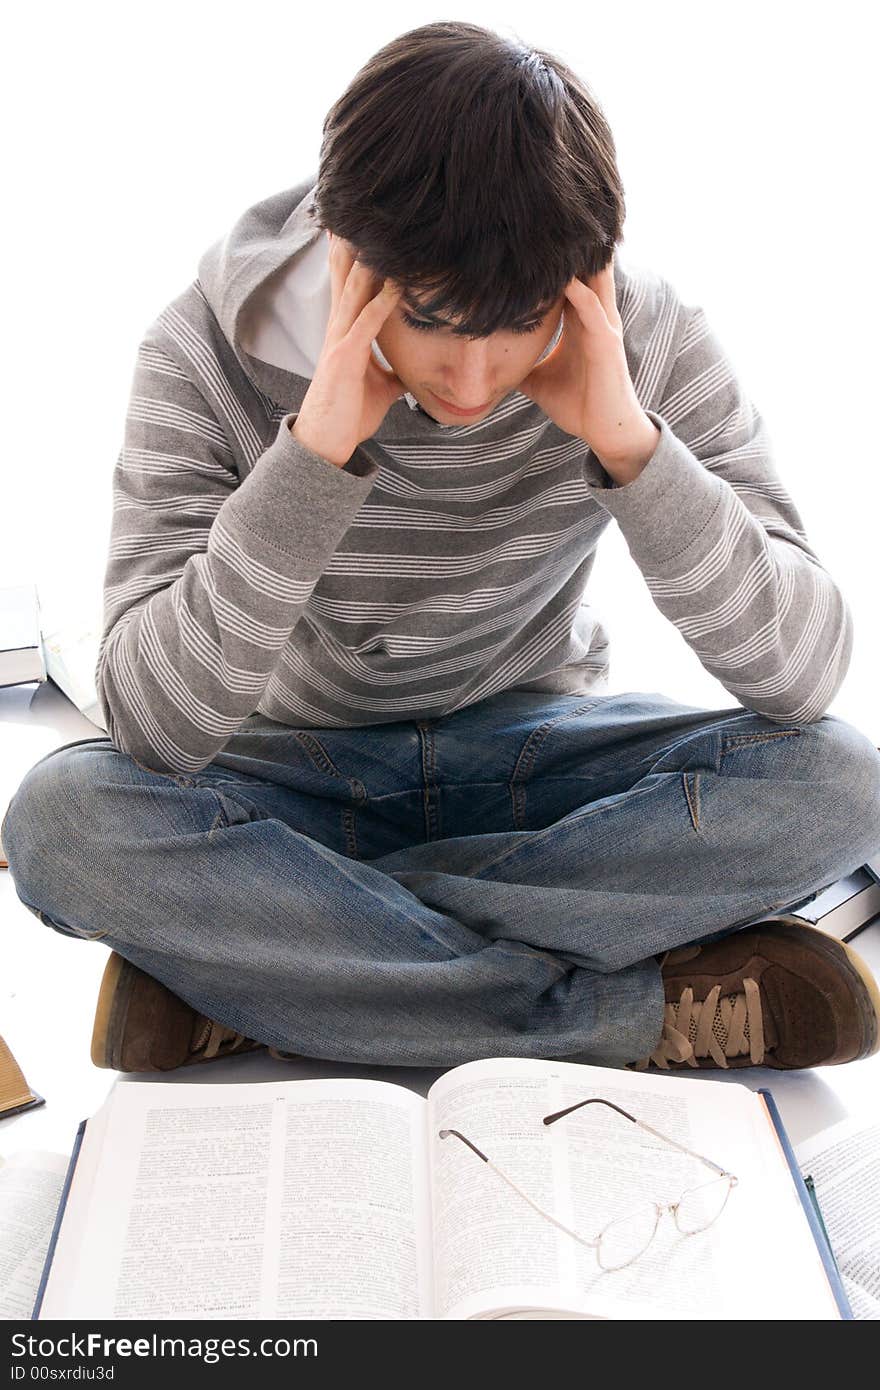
[(718, 1026), (723, 1009)]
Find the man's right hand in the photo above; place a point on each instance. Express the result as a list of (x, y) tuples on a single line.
[(350, 394)]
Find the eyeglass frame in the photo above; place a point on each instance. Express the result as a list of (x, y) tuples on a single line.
[(660, 1207)]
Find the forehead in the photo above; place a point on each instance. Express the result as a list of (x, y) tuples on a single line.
[(410, 301)]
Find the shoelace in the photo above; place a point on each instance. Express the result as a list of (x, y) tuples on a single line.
[(214, 1036), (713, 1027)]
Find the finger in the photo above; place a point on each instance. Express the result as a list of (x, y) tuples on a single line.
[(590, 308), (376, 311), (602, 284), (338, 274), (341, 260), (583, 305), (352, 286)]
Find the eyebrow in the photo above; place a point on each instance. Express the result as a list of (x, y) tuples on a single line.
[(444, 323)]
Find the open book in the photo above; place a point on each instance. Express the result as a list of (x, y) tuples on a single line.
[(844, 1164), (339, 1199)]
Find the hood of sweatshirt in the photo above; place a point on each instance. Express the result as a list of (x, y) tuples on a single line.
[(268, 284), (267, 263)]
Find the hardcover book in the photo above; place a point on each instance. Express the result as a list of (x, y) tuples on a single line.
[(663, 1197)]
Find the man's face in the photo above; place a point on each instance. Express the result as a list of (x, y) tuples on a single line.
[(438, 365)]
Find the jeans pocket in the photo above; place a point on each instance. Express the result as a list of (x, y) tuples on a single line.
[(541, 741), (730, 742)]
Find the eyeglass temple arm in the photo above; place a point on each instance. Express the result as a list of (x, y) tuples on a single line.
[(582, 1240), (597, 1100)]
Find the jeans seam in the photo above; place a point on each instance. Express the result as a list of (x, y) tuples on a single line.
[(67, 929), (546, 956), (692, 796), (325, 763), (528, 754), (221, 820), (730, 742), (177, 778), (430, 798), (582, 813), (349, 831)]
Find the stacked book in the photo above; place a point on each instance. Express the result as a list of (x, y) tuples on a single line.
[(21, 648), (65, 653), (33, 652), (847, 906)]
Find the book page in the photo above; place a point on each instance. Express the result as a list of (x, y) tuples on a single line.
[(844, 1162), (30, 1186), (495, 1256), (260, 1200), (354, 1238)]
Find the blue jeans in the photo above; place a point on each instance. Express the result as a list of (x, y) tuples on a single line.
[(495, 882)]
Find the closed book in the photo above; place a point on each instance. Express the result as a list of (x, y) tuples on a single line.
[(21, 647), (845, 907), (15, 1093), (71, 655)]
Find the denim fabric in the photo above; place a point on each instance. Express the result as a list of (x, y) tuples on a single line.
[(495, 882)]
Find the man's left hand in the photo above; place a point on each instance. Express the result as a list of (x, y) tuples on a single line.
[(585, 385)]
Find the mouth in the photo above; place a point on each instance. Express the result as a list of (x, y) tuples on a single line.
[(456, 410)]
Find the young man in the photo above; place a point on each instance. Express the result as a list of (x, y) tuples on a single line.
[(364, 797)]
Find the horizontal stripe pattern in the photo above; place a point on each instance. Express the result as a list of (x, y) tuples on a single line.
[(248, 577), (749, 594)]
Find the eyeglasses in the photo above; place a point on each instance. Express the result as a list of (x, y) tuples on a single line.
[(625, 1238)]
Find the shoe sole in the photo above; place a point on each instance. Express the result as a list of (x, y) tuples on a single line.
[(110, 1010), (854, 966)]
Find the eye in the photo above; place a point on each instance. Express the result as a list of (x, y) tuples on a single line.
[(418, 323), (425, 327)]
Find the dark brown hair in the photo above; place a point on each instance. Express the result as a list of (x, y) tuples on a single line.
[(472, 170)]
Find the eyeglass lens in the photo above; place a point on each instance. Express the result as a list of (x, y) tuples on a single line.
[(700, 1206), (628, 1236)]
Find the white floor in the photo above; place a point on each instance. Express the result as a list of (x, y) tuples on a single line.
[(48, 986)]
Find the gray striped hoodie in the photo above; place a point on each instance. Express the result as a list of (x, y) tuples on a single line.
[(249, 578)]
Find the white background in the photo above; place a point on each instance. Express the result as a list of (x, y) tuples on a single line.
[(746, 136), (135, 134)]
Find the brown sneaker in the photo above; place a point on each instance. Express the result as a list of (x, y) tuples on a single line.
[(779, 993), (141, 1026)]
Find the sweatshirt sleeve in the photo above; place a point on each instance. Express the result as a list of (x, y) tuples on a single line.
[(207, 575), (722, 546)]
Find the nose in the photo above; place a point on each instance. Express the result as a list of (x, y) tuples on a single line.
[(469, 378)]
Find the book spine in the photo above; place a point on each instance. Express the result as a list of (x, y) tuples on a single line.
[(816, 1226), (62, 1203)]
